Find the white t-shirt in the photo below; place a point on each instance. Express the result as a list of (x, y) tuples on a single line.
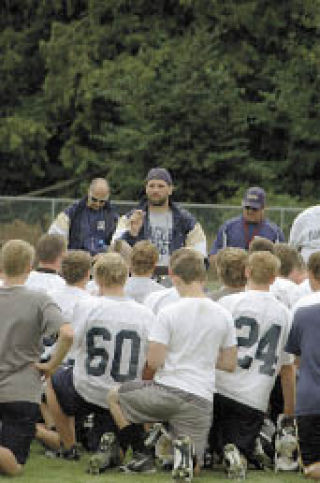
[(67, 298), (301, 290), (157, 300), (193, 329), (263, 325), (139, 288), (44, 281), (309, 299), (92, 287), (284, 290), (305, 231), (110, 344)]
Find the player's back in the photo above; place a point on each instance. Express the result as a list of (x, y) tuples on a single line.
[(262, 325), (159, 299), (139, 288), (66, 298), (193, 329), (110, 344), (44, 281)]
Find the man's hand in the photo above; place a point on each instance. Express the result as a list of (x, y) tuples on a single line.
[(136, 222)]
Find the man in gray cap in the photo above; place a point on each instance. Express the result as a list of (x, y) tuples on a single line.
[(161, 221), (238, 232)]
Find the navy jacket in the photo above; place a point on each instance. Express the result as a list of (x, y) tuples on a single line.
[(80, 216), (182, 223)]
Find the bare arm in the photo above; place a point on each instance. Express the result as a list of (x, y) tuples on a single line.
[(288, 383), (63, 345), (156, 355), (227, 359)]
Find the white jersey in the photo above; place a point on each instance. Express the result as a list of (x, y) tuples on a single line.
[(44, 281), (305, 232), (139, 288), (67, 298), (309, 299), (263, 325), (193, 329), (110, 344), (284, 290), (157, 300)]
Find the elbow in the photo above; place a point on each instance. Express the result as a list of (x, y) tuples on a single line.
[(67, 333), (153, 365), (232, 366)]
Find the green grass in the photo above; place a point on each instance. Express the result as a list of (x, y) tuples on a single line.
[(40, 469)]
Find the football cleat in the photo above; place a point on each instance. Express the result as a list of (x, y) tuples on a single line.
[(108, 455), (286, 445), (235, 464), (183, 452), (140, 463)]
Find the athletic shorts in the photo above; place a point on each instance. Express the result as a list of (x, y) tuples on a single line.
[(18, 427), (71, 403), (186, 413), (236, 423), (309, 438)]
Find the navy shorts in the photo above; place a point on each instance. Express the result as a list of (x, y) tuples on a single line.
[(71, 403), (18, 427), (234, 422)]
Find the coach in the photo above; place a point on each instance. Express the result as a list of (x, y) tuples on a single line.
[(239, 231), (88, 224)]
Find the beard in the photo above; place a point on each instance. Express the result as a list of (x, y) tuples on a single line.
[(157, 201)]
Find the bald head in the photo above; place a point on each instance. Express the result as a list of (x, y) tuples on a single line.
[(98, 193)]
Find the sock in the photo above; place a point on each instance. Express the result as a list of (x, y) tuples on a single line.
[(134, 436)]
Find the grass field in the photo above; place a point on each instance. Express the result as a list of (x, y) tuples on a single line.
[(40, 469)]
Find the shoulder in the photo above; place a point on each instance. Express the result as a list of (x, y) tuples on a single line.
[(183, 215), (232, 222), (111, 209), (79, 205), (308, 213)]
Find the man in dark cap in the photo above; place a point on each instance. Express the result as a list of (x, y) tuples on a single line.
[(238, 232), (161, 221)]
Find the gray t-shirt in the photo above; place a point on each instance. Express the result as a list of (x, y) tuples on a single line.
[(160, 234), (25, 317)]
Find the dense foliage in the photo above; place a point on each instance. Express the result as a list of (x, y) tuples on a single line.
[(225, 93)]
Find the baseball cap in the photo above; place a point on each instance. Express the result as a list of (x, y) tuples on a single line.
[(254, 198), (159, 173)]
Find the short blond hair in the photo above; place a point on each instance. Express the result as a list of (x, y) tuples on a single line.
[(263, 267), (110, 269), (189, 266), (75, 266), (144, 257), (17, 257), (50, 247), (231, 264), (261, 244), (288, 256)]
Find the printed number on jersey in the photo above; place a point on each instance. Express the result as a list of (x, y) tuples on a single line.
[(264, 348), (98, 357)]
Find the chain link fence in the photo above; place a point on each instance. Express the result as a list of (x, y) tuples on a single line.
[(28, 218)]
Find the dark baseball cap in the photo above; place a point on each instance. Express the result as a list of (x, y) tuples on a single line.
[(159, 173), (254, 197)]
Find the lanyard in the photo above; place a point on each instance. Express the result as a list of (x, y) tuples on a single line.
[(246, 233)]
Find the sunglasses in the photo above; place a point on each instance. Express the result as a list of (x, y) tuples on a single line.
[(250, 208), (97, 200)]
